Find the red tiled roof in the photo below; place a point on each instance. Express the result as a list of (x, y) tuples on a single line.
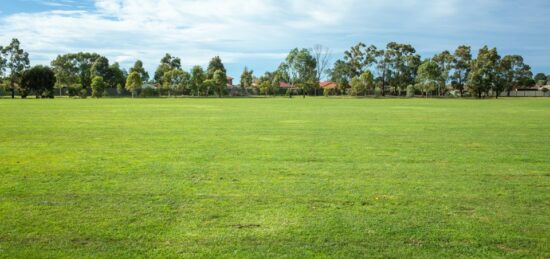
[(329, 85), (285, 85)]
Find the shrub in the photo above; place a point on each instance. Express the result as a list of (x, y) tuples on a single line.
[(410, 91), (83, 93), (327, 92), (149, 92), (377, 92)]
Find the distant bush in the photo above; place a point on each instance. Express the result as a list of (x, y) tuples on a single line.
[(327, 92), (83, 93), (149, 92), (377, 92), (410, 91)]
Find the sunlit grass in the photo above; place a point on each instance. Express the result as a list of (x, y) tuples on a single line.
[(274, 177)]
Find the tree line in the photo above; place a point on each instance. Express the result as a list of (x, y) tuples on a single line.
[(396, 70)]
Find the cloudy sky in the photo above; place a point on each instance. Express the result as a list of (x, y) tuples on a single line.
[(258, 33)]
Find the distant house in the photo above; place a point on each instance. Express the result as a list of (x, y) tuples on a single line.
[(328, 85), (230, 82), (285, 85)]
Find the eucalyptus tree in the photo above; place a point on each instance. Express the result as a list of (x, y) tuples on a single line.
[(300, 66), (197, 79), (116, 76), (214, 65), (513, 72), (340, 75), (66, 72), (167, 63), (247, 78), (39, 80), (428, 76), (220, 81), (134, 83), (98, 85), (461, 67), (138, 67), (483, 75), (17, 61), (322, 56), (445, 61), (403, 63)]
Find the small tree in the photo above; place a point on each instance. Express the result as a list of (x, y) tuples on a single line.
[(246, 80), (119, 89), (98, 86), (39, 80), (429, 76), (357, 86), (410, 91), (220, 81), (133, 83)]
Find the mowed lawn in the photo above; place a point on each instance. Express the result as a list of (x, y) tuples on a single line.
[(259, 178)]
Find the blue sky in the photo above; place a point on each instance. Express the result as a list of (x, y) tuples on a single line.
[(258, 33)]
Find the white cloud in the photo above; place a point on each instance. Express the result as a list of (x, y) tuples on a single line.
[(248, 30)]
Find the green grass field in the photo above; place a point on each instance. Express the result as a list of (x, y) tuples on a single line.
[(260, 178)]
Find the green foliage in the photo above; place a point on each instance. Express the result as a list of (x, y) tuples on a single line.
[(138, 67), (197, 80), (247, 78), (83, 93), (483, 76), (327, 92), (377, 92), (167, 63), (120, 89), (148, 92), (134, 83), (16, 61), (98, 86), (410, 91), (299, 68), (220, 82), (214, 65), (461, 66), (540, 77), (429, 76), (39, 80)]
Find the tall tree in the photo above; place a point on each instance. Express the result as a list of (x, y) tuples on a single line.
[(134, 83), (246, 79), (66, 72), (197, 80), (98, 86), (176, 79), (138, 67), (300, 66), (3, 63), (167, 63), (322, 56), (403, 63), (17, 62), (483, 73), (540, 79), (39, 80), (214, 65), (220, 80), (100, 67), (445, 61), (115, 76), (173, 62), (428, 76), (461, 67), (513, 72), (340, 75)]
